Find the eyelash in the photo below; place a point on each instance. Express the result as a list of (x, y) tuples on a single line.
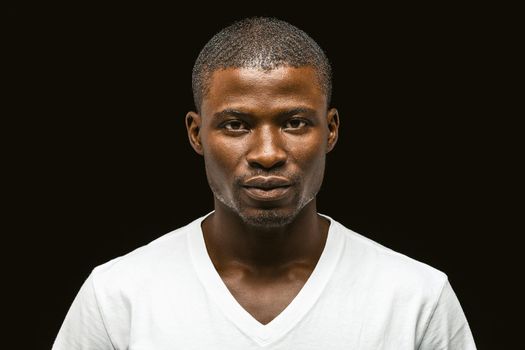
[(304, 123), (230, 122), (243, 127)]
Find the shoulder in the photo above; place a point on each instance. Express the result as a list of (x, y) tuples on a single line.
[(385, 268), (165, 255)]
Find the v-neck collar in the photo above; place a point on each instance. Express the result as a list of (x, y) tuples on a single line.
[(292, 314)]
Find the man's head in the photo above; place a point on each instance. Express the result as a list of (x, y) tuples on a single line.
[(263, 126), (262, 43)]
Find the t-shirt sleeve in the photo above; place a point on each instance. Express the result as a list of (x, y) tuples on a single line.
[(448, 328), (83, 328)]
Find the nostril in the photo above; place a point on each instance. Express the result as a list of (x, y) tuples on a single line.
[(265, 164), (267, 160)]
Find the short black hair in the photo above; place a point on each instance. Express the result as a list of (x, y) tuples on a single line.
[(263, 43)]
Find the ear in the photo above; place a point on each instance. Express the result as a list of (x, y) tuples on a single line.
[(193, 125), (332, 119)]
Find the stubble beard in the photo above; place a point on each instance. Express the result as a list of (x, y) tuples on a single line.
[(263, 218)]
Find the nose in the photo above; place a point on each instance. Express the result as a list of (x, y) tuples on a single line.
[(266, 151)]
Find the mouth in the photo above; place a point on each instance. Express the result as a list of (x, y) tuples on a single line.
[(267, 189), (267, 194)]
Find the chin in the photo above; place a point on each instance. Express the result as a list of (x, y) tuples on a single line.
[(265, 216), (268, 218), (272, 217)]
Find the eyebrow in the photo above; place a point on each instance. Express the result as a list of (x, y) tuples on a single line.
[(287, 113), (230, 112)]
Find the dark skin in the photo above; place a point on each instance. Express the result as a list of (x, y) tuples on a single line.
[(264, 136)]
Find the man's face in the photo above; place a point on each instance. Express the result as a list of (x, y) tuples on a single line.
[(264, 136)]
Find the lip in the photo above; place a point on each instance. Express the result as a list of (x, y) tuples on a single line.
[(267, 194), (267, 182), (267, 188)]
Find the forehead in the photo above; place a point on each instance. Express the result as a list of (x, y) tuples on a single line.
[(257, 88)]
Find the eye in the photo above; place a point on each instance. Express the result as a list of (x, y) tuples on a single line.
[(295, 124), (235, 125)]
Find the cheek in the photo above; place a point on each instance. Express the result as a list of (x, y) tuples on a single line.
[(221, 157), (310, 153), (310, 158)]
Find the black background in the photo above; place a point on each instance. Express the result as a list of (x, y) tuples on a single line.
[(102, 163)]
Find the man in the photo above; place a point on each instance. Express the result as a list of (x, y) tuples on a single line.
[(264, 269)]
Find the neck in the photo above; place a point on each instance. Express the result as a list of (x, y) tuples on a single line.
[(232, 242)]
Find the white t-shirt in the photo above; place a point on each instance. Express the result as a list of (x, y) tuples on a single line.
[(361, 295)]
